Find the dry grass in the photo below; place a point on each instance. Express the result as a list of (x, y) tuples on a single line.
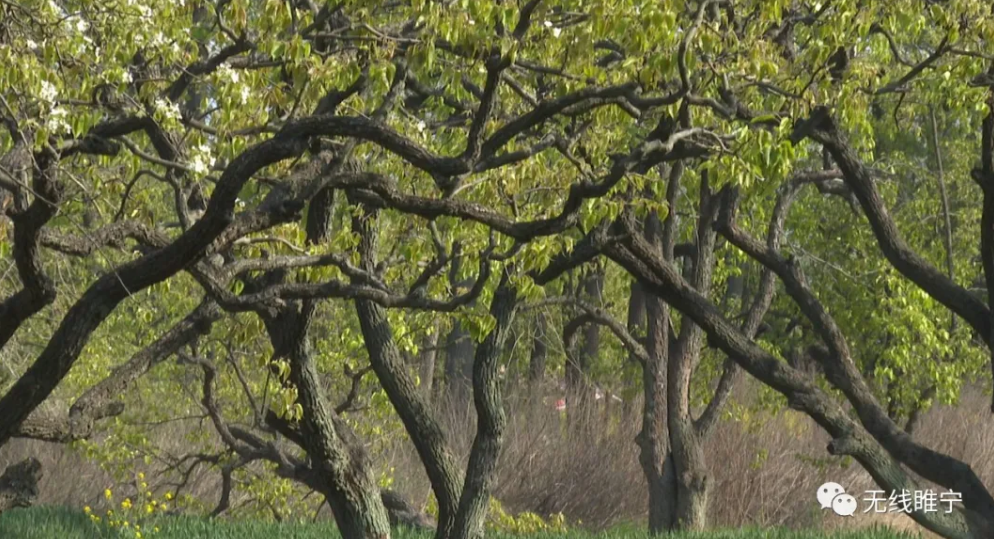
[(765, 469)]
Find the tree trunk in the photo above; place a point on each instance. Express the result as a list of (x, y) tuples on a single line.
[(540, 349), (636, 325), (459, 348), (339, 457), (591, 289), (425, 432), (481, 473), (351, 487), (426, 363), (657, 464), (692, 473), (19, 484), (653, 439), (458, 366), (402, 513), (411, 405), (461, 512)]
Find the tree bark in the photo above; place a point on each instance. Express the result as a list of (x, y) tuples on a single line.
[(336, 453), (19, 484), (384, 356), (39, 290), (692, 473), (653, 439), (540, 349), (849, 438), (427, 360), (458, 366), (637, 328), (459, 348), (425, 431), (351, 487), (481, 473)]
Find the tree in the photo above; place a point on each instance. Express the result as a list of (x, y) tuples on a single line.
[(542, 139)]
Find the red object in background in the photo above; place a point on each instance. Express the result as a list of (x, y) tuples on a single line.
[(561, 405)]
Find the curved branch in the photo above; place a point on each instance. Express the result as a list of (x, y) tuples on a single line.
[(596, 315), (843, 373), (111, 235), (38, 289), (100, 401), (821, 128), (661, 278), (106, 293)]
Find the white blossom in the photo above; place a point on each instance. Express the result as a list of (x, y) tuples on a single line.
[(244, 94), (48, 92), (158, 40), (548, 24), (167, 109), (32, 44), (225, 73), (556, 32), (56, 121), (201, 160), (80, 25)]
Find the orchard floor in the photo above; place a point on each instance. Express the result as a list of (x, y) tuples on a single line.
[(59, 523)]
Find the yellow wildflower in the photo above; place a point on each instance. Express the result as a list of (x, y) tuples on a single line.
[(164, 507), (169, 495), (141, 476), (108, 494), (87, 510), (126, 504)]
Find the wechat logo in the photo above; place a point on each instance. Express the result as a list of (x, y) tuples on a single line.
[(833, 496)]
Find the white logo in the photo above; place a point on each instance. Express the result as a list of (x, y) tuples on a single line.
[(827, 492), (833, 496), (844, 505)]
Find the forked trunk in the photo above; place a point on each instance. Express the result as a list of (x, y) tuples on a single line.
[(347, 478)]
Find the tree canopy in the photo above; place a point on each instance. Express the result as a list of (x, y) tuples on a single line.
[(278, 190)]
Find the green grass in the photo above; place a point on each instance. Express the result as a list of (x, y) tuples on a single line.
[(61, 523)]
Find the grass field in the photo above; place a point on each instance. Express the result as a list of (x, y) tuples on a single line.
[(58, 523)]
